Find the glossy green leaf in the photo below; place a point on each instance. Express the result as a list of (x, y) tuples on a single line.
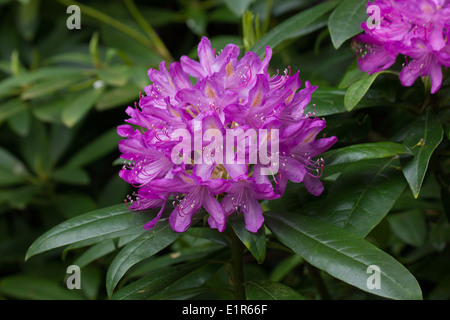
[(143, 288), (409, 226), (143, 247), (95, 252), (364, 151), (328, 101), (194, 279), (422, 139), (270, 290), (94, 226), (358, 89), (289, 27), (343, 255), (254, 242), (350, 78), (363, 195), (345, 21)]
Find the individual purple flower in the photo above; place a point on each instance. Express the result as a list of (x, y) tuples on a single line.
[(415, 29), (219, 135)]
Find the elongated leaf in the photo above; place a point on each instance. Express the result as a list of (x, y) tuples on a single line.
[(364, 151), (77, 108), (36, 288), (328, 101), (270, 290), (363, 195), (409, 226), (343, 255), (146, 245), (40, 74), (94, 226), (254, 242), (10, 108), (73, 176), (99, 250), (288, 28), (101, 146), (422, 139), (152, 284), (358, 89), (345, 21)]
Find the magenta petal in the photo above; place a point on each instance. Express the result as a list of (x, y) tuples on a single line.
[(313, 185), (253, 215), (217, 218), (435, 76)]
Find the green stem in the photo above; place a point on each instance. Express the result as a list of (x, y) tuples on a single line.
[(237, 263)]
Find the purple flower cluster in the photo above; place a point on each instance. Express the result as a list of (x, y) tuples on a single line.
[(220, 92), (417, 29)]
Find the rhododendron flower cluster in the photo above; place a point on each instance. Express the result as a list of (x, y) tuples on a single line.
[(417, 29), (177, 148)]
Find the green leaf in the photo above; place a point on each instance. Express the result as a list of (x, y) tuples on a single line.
[(95, 252), (254, 242), (95, 226), (328, 101), (20, 123), (364, 151), (343, 255), (49, 86), (358, 89), (363, 195), (115, 75), (159, 279), (118, 97), (11, 108), (143, 247), (345, 21), (101, 146), (350, 78), (291, 26), (238, 6), (270, 290), (61, 73), (36, 288), (77, 108), (422, 139), (285, 266), (70, 175), (12, 170), (409, 226), (440, 234)]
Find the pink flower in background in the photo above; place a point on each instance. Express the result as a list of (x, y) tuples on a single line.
[(219, 134), (416, 29)]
